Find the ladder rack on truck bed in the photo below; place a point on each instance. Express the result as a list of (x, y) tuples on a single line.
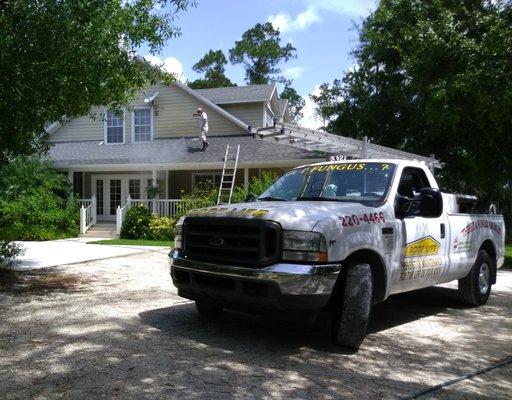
[(316, 140)]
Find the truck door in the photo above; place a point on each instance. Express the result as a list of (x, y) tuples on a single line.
[(424, 255)]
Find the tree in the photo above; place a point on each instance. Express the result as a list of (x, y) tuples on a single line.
[(327, 101), (212, 65), (260, 52), (295, 103), (59, 58), (436, 77)]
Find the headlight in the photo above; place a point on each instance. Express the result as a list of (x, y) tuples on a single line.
[(178, 236), (304, 246)]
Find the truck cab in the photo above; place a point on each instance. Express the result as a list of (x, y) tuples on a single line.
[(336, 236)]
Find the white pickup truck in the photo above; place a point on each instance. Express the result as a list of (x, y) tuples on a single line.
[(337, 236)]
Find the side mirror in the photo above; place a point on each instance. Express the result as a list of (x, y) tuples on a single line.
[(406, 207), (250, 198), (431, 203)]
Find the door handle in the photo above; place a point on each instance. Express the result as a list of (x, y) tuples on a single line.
[(443, 231)]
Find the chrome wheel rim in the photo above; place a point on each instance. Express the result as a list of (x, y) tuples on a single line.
[(483, 278)]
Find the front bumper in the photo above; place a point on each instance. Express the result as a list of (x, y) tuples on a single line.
[(281, 286)]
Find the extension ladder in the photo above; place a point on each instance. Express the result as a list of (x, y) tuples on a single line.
[(334, 145), (227, 180)]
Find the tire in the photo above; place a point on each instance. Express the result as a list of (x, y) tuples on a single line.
[(475, 288), (351, 317), (208, 310)]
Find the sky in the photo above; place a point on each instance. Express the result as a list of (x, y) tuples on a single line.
[(322, 31)]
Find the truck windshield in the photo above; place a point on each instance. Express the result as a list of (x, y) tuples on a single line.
[(363, 182)]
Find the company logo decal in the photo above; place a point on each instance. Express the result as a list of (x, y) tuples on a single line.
[(461, 245), (421, 268), (216, 241), (426, 246)]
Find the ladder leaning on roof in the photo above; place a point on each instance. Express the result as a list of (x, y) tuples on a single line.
[(316, 140), (227, 180)]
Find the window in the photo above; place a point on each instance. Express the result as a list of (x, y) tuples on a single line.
[(269, 118), (366, 183), (99, 196), (143, 125), (78, 184), (115, 195), (134, 188), (207, 181), (411, 182), (114, 128)]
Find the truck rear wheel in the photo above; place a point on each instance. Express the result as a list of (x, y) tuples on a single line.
[(351, 317), (475, 288), (208, 310)]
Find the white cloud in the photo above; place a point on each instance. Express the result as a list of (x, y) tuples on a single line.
[(170, 65), (293, 72), (354, 8), (309, 120), (285, 23)]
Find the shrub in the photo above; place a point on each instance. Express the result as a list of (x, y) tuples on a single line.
[(261, 183), (161, 228), (37, 214), (136, 223), (8, 252)]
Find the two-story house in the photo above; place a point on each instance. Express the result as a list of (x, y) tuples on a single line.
[(156, 140)]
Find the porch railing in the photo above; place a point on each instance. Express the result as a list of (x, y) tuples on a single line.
[(84, 202), (120, 214), (87, 214), (162, 207)]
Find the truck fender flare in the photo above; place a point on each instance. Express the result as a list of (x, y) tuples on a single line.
[(379, 273), (488, 246)]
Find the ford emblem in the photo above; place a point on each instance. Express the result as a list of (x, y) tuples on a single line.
[(216, 241)]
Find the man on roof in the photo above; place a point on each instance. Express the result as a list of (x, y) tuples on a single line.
[(203, 127)]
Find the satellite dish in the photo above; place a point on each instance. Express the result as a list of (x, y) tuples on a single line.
[(150, 99)]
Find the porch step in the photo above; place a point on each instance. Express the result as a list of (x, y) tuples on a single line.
[(102, 230)]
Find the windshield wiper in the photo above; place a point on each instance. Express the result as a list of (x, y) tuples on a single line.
[(317, 198), (270, 198)]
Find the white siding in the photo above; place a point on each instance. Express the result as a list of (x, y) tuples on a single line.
[(174, 108), (250, 113)]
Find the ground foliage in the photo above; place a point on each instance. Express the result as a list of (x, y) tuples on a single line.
[(35, 202), (139, 223), (434, 77)]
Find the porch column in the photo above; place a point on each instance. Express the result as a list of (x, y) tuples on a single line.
[(246, 180), (70, 179), (153, 179), (167, 184)]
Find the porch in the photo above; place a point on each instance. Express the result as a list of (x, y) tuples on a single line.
[(106, 197)]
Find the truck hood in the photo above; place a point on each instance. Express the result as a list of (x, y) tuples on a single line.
[(292, 215)]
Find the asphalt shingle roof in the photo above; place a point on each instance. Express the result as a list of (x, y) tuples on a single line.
[(281, 103), (238, 94), (174, 151)]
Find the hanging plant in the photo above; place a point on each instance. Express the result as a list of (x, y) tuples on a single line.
[(152, 191)]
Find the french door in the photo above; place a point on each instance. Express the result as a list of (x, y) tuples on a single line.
[(112, 190)]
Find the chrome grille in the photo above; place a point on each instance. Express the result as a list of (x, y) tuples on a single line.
[(233, 241)]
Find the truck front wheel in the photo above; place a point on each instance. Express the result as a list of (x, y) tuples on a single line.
[(351, 317), (208, 310), (475, 288)]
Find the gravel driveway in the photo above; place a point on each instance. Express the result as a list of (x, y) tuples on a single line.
[(123, 333)]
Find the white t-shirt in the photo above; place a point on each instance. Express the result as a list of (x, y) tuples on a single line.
[(203, 122)]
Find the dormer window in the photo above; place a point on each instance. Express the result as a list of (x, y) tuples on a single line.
[(142, 123), (114, 128)]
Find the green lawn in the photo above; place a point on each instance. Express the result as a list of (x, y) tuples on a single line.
[(135, 242), (508, 257)]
